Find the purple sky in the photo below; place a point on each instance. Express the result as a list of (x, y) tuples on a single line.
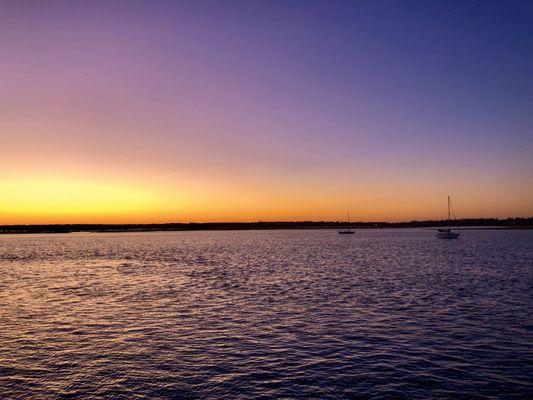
[(272, 110)]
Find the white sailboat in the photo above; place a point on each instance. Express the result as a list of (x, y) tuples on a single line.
[(447, 233), (347, 230)]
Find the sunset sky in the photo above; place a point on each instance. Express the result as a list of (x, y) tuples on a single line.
[(156, 111)]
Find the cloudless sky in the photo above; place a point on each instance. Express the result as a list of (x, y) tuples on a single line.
[(150, 111)]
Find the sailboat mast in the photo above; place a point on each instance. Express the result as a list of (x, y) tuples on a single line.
[(449, 220)]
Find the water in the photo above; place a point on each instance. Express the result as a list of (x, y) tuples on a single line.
[(277, 314)]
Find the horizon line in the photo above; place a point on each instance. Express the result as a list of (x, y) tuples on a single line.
[(267, 222)]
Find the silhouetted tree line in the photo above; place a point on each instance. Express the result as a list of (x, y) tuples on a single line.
[(516, 223)]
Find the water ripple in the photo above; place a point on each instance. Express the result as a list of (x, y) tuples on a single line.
[(267, 314)]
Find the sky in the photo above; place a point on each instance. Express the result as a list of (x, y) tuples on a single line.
[(178, 111)]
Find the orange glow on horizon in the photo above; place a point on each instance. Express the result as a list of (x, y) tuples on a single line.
[(70, 200)]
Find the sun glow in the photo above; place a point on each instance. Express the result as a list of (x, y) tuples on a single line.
[(60, 200)]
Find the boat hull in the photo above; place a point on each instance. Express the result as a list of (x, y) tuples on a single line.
[(345, 232), (447, 235)]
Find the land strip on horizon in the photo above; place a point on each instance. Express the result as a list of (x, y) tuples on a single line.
[(469, 223)]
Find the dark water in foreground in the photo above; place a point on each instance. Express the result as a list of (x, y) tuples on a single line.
[(284, 314)]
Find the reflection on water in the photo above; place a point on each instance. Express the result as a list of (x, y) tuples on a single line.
[(382, 313)]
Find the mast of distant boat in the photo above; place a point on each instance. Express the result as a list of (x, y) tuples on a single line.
[(447, 233), (345, 227), (449, 216)]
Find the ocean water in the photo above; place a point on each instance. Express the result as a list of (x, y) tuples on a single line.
[(267, 314)]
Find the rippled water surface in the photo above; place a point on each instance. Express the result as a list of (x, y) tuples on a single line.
[(277, 314)]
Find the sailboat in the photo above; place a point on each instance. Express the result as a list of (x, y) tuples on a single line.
[(447, 233), (347, 230)]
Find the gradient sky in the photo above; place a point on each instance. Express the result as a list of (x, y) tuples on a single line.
[(156, 111)]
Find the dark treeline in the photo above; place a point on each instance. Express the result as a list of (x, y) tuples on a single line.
[(517, 223)]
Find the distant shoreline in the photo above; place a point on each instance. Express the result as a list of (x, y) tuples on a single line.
[(462, 224)]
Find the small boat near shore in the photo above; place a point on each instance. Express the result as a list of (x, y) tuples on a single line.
[(447, 233), (347, 230)]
